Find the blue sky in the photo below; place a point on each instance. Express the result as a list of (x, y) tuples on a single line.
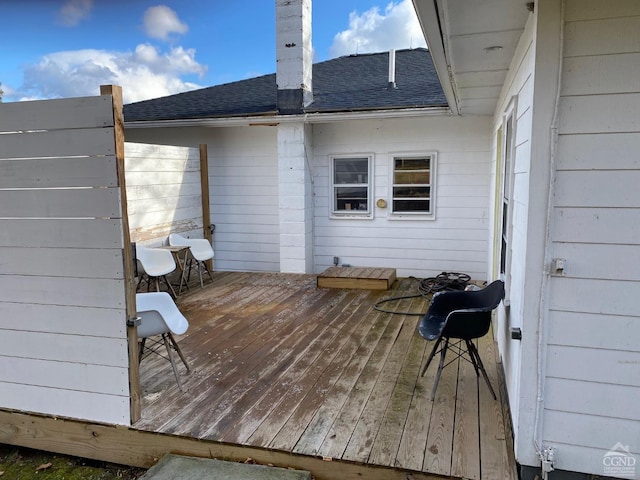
[(152, 48)]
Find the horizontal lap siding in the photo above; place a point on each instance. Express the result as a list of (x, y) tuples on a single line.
[(456, 240), (243, 192), (580, 439), (163, 192), (594, 324), (63, 345)]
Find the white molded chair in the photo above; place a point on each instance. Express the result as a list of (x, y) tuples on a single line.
[(156, 264), (200, 250), (159, 316)]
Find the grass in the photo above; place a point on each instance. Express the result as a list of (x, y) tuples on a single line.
[(18, 463)]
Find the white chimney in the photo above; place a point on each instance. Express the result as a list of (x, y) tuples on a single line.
[(392, 68), (294, 55)]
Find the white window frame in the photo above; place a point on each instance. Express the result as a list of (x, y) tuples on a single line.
[(433, 163), (505, 232), (333, 186)]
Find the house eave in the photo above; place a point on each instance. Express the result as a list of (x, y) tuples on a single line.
[(429, 19), (272, 120)]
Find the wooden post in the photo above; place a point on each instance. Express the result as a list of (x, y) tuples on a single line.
[(204, 186), (130, 289)]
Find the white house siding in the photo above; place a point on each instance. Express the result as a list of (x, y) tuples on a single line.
[(63, 341), (593, 353), (455, 241), (243, 190), (163, 192), (518, 90)]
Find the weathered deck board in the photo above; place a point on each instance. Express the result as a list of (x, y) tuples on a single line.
[(281, 365), (304, 372), (465, 460), (315, 431), (369, 364), (440, 440), (493, 444), (282, 361), (411, 451), (241, 368), (367, 427), (299, 420), (387, 442), (303, 393)]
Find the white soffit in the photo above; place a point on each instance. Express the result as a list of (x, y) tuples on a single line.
[(460, 35)]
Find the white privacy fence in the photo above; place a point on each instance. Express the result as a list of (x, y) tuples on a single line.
[(63, 295), (163, 192)]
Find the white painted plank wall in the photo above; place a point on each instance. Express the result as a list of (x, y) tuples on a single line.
[(455, 241), (243, 176), (63, 346), (243, 187), (593, 380), (163, 192), (243, 191)]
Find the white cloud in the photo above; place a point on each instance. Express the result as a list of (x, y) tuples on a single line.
[(143, 74), (5, 91), (372, 31), (73, 11), (161, 21)]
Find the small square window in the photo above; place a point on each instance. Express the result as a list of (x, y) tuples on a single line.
[(413, 185), (351, 186)]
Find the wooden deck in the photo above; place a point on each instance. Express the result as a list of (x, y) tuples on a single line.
[(285, 367)]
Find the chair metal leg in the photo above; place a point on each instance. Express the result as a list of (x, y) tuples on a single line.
[(443, 352), (473, 351), (177, 348), (431, 355), (173, 362), (470, 346)]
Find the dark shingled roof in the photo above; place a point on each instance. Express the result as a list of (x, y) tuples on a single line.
[(345, 84)]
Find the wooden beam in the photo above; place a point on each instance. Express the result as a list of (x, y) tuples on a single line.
[(127, 255), (204, 185), (127, 446)]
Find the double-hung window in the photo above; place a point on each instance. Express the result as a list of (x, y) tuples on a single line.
[(507, 193), (413, 192), (351, 186)]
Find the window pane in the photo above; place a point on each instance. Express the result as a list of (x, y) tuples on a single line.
[(350, 170), (411, 205), (411, 192), (412, 177), (412, 163), (351, 198)]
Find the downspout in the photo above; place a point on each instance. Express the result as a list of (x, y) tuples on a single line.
[(546, 454)]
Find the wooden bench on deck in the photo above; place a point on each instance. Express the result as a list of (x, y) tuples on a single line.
[(365, 278)]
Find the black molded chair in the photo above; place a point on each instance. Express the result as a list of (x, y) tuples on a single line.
[(463, 316)]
